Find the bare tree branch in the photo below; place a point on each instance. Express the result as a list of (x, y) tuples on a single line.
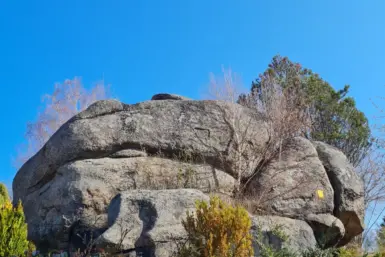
[(67, 99)]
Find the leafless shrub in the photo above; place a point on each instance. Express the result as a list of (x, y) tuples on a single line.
[(372, 172), (67, 99), (284, 108), (228, 89), (89, 238), (284, 112)]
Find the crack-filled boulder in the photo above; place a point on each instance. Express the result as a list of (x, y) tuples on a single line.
[(154, 152), (348, 190), (288, 184)]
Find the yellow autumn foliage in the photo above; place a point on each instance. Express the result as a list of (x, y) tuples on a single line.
[(217, 230)]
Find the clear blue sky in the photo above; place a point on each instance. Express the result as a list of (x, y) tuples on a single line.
[(146, 47)]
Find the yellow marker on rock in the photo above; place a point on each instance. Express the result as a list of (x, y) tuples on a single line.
[(320, 194)]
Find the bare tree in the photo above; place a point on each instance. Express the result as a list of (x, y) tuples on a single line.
[(372, 168), (372, 172), (67, 99)]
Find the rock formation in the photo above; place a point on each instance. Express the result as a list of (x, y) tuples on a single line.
[(144, 165)]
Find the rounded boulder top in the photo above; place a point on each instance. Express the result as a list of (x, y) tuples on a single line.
[(164, 96)]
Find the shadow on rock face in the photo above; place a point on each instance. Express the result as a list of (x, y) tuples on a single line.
[(145, 245), (80, 236), (114, 209)]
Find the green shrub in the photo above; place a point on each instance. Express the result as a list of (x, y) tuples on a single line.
[(13, 229), (266, 250), (318, 252)]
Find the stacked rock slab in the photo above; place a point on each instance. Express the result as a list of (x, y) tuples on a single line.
[(348, 190), (117, 160)]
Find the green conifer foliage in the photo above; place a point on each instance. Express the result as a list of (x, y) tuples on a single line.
[(13, 229), (335, 118), (4, 197)]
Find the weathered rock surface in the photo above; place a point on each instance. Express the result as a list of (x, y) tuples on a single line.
[(153, 223), (149, 221), (149, 173), (169, 97), (92, 183), (128, 153), (150, 150), (348, 190), (299, 232), (202, 128), (287, 186), (64, 176), (328, 229)]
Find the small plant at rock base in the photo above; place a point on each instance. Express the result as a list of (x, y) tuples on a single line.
[(187, 178), (13, 229), (348, 252), (267, 250), (318, 252), (217, 230)]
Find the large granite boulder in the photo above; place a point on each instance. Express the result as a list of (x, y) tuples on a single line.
[(92, 183), (87, 161), (151, 150), (348, 190), (148, 222), (266, 231), (287, 186), (200, 128)]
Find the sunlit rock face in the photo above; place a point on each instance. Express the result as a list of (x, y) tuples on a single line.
[(159, 156)]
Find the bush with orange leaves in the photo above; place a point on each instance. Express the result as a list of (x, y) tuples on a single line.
[(217, 230)]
